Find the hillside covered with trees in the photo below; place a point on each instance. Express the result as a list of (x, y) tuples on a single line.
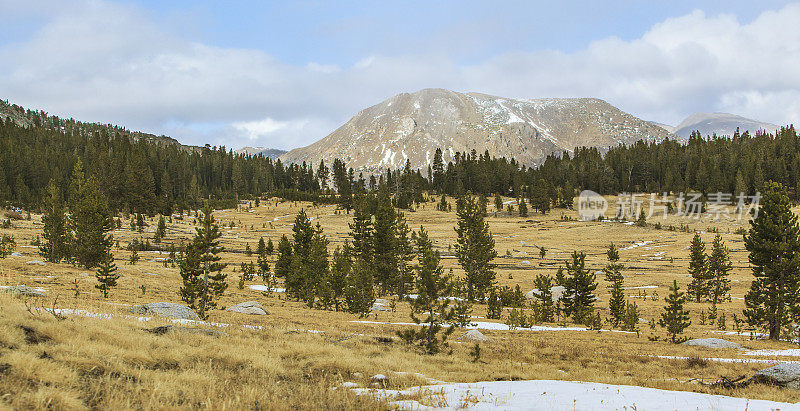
[(148, 175)]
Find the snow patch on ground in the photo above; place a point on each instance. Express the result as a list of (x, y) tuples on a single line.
[(784, 353), (562, 395), (726, 360), (258, 287), (484, 325), (41, 290), (635, 245)]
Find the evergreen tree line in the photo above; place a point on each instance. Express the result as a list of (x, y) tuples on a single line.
[(135, 176), (157, 175)]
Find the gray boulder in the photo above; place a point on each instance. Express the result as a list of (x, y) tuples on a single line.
[(24, 290), (170, 310), (381, 305), (37, 262), (784, 374), (248, 307), (474, 336), (557, 291), (712, 343)]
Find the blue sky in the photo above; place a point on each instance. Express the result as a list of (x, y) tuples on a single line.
[(284, 74), (344, 32)]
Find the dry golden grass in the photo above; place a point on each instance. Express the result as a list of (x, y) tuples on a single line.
[(111, 362)]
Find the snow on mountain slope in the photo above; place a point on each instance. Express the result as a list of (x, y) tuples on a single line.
[(412, 126)]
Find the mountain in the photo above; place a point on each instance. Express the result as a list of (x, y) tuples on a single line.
[(25, 118), (271, 153), (667, 127), (721, 124), (412, 126)]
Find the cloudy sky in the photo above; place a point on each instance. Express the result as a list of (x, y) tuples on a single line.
[(285, 74)]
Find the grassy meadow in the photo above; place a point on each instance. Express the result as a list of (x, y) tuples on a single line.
[(100, 355)]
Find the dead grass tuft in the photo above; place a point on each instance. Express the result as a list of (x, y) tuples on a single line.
[(696, 362)]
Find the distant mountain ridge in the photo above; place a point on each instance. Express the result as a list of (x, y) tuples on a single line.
[(410, 127), (721, 124), (25, 118), (272, 153)]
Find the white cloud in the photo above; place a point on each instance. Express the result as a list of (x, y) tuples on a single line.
[(106, 62), (256, 130), (324, 68)]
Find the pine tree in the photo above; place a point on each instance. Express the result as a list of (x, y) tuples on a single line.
[(140, 224), (262, 260), (442, 205), (360, 293), (630, 321), (76, 185), (91, 221), (741, 185), (270, 247), (106, 275), (698, 288), (7, 245), (339, 273), (161, 230), (544, 285), (641, 221), (579, 286), (568, 195), (405, 254), (317, 269), (55, 246), (483, 203), (674, 318), (498, 203), (474, 248), (248, 271), (462, 313), (261, 248), (541, 196), (719, 266), (201, 271), (298, 281), (494, 307), (284, 263), (774, 249), (361, 230), (613, 272), (438, 170), (431, 284), (384, 243), (134, 257), (343, 184), (523, 208)]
